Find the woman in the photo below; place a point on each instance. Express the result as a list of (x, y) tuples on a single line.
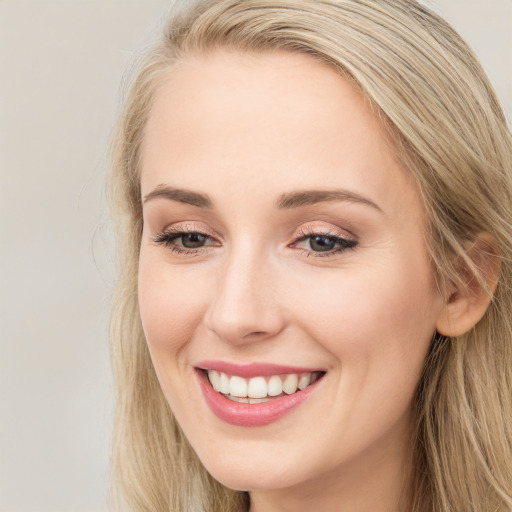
[(313, 310)]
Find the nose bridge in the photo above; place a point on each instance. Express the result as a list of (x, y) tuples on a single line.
[(243, 307)]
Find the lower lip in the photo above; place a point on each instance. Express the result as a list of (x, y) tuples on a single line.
[(251, 415)]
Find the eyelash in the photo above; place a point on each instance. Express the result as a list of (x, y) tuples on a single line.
[(310, 233), (168, 236)]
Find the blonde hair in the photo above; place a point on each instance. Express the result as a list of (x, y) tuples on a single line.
[(429, 89)]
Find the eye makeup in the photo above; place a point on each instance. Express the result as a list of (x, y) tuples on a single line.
[(322, 242), (311, 242), (185, 240)]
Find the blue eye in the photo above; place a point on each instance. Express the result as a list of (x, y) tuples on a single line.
[(323, 244), (193, 242)]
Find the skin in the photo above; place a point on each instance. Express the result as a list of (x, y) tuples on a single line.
[(243, 130)]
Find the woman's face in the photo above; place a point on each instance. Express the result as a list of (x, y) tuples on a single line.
[(282, 237)]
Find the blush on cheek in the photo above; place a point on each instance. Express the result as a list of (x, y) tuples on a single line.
[(165, 325), (171, 305)]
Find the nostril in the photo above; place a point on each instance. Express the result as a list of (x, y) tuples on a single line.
[(254, 334)]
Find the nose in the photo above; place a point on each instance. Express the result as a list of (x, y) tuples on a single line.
[(245, 306)]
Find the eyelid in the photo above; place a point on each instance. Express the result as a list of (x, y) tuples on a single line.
[(168, 235), (341, 238), (323, 230), (188, 227)]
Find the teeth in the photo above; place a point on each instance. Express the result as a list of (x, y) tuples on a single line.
[(258, 389), (290, 383), (304, 381), (237, 386), (248, 400), (224, 384), (275, 386), (214, 379)]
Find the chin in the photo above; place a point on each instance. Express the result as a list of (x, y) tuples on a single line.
[(251, 479), (251, 472)]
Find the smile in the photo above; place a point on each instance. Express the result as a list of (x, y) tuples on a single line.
[(259, 389), (255, 395)]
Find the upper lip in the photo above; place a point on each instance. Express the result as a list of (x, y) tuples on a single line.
[(253, 369)]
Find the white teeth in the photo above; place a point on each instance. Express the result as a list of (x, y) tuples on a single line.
[(237, 386), (258, 389), (304, 381), (246, 400), (290, 383), (224, 383), (275, 386), (214, 379)]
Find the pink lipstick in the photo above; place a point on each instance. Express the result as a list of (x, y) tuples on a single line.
[(271, 409)]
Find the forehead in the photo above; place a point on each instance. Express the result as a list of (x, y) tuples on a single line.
[(269, 121)]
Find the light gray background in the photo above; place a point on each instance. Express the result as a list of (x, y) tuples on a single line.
[(60, 66)]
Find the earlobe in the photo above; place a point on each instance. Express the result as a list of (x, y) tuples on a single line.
[(472, 294)]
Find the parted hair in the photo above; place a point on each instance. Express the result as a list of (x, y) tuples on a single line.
[(433, 96)]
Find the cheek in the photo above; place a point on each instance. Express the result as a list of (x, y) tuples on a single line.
[(376, 320), (171, 304), (377, 326), (171, 308)]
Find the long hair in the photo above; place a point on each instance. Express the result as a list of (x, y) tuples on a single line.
[(432, 94)]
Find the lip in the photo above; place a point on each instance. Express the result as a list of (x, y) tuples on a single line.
[(253, 369), (252, 415)]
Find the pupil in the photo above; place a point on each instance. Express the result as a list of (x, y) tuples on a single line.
[(193, 240), (321, 243)]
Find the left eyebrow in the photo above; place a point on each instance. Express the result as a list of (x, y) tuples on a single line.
[(311, 197)]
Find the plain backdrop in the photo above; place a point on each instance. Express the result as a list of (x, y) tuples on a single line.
[(61, 63)]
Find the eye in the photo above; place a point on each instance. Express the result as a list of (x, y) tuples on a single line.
[(322, 243), (193, 240), (184, 240), (319, 244)]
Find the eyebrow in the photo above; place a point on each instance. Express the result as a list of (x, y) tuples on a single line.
[(285, 201), (180, 195), (311, 197)]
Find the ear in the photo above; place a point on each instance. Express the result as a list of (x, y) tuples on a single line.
[(471, 295)]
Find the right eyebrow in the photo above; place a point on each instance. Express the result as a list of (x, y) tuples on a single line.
[(181, 195)]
